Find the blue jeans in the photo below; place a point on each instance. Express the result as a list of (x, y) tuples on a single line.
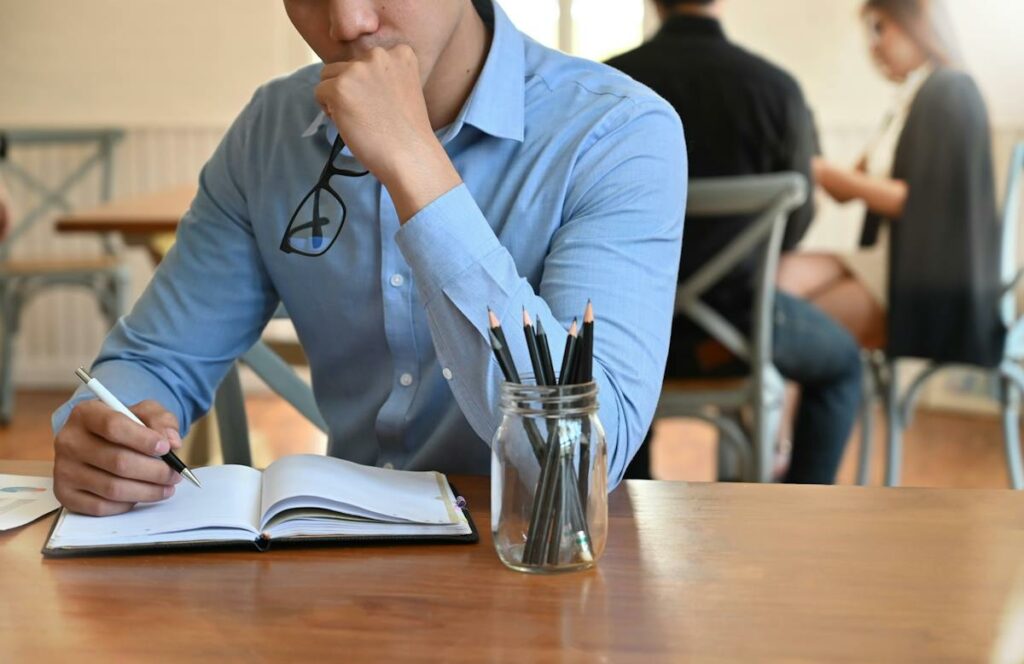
[(814, 351)]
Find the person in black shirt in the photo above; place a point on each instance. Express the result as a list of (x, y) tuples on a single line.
[(745, 116)]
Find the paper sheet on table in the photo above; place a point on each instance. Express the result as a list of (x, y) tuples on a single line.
[(23, 499)]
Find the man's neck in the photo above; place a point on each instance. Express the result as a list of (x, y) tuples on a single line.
[(712, 10), (457, 69)]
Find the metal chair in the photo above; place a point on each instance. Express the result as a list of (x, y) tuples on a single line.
[(721, 402), (229, 402), (21, 280), (1009, 374)]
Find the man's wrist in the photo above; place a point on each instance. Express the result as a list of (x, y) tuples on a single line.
[(419, 175)]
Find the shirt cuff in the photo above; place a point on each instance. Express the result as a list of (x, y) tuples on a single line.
[(444, 239), (130, 384)]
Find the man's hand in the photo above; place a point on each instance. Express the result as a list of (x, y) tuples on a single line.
[(378, 106), (105, 463)]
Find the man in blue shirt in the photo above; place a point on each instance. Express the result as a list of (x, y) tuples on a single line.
[(500, 173)]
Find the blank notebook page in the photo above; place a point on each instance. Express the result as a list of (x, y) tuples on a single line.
[(229, 499), (398, 496)]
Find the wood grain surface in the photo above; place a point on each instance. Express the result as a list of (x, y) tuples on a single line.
[(692, 572)]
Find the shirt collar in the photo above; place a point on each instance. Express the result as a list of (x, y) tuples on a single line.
[(497, 103), (693, 26)]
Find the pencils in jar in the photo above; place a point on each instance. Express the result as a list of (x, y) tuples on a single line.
[(561, 495)]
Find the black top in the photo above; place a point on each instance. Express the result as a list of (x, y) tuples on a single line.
[(742, 116), (944, 254)]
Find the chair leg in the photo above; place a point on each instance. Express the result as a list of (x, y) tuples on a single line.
[(894, 427), (867, 419), (733, 451), (767, 417), (11, 312), (113, 296), (1009, 396), (231, 423)]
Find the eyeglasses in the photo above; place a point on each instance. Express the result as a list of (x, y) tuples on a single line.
[(317, 221)]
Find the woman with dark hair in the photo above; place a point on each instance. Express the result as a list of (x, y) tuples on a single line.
[(928, 268)]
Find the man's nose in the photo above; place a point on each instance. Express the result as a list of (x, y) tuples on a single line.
[(351, 19)]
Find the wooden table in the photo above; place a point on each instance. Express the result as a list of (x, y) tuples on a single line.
[(137, 220), (706, 572)]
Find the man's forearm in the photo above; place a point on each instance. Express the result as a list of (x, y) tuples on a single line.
[(419, 176)]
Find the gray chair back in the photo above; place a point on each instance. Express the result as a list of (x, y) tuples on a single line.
[(771, 198)]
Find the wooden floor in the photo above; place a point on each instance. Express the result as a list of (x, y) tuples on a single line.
[(942, 449)]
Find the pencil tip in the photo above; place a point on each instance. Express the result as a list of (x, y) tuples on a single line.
[(492, 318), (526, 318), (540, 327), (588, 315), (574, 328)]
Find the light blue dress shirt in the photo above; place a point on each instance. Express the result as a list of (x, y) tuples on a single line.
[(574, 188)]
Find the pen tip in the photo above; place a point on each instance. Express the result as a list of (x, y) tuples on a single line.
[(83, 374), (191, 476)]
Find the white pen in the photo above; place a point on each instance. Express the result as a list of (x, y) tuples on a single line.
[(104, 395)]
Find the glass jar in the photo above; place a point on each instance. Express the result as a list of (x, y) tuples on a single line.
[(549, 496)]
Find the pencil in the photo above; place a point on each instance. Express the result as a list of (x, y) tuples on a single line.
[(512, 375), (544, 350), (587, 364), (567, 356), (586, 375), (531, 346), (508, 368)]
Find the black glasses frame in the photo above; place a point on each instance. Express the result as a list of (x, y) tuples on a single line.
[(323, 184)]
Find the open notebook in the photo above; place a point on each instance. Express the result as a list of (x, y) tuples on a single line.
[(303, 498)]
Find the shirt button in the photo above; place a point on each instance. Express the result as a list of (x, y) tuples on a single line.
[(405, 379), (389, 466), (447, 373), (397, 280)]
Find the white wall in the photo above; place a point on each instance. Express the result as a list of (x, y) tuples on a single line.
[(155, 63)]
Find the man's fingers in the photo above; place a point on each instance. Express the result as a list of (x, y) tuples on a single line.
[(84, 502), (159, 419), (124, 462), (118, 489), (99, 419)]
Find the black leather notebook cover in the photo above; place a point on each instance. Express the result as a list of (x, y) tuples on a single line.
[(261, 544)]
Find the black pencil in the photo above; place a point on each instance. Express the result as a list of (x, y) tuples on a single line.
[(531, 346), (567, 356), (512, 375), (586, 375), (586, 368), (544, 350), (508, 368)]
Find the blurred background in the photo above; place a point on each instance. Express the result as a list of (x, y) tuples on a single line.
[(172, 74)]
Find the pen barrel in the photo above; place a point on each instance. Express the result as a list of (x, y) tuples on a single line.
[(172, 460)]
